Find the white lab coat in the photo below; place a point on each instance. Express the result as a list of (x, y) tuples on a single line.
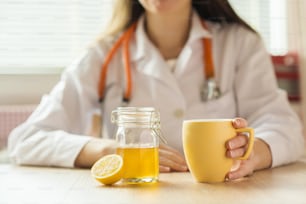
[(56, 131)]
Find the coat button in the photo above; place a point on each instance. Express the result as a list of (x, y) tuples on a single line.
[(178, 113)]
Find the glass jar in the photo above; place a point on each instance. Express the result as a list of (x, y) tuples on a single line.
[(138, 132)]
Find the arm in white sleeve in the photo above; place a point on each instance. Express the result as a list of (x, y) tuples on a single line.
[(264, 105), (56, 132)]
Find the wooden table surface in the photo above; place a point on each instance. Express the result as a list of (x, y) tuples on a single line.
[(39, 185)]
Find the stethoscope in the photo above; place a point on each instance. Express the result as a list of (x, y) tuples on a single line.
[(209, 91)]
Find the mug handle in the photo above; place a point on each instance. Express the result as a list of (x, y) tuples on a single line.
[(250, 144)]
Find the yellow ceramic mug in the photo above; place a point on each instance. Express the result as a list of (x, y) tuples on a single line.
[(204, 148)]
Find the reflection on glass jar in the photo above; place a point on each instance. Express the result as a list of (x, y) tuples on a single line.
[(138, 131)]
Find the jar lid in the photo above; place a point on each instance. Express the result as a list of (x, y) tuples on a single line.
[(139, 115)]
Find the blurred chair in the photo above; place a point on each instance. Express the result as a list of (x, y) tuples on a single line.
[(10, 117), (287, 73)]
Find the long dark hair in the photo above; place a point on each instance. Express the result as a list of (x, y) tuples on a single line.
[(126, 12), (212, 10), (218, 11)]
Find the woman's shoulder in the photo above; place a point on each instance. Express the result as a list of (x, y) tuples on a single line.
[(105, 43), (233, 29), (98, 49), (240, 35), (92, 57)]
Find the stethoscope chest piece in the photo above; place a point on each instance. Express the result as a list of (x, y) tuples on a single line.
[(210, 90)]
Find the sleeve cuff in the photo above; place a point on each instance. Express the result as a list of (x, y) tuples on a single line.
[(282, 151), (68, 148)]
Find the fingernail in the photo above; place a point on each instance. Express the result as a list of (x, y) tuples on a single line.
[(184, 168), (237, 121), (230, 176)]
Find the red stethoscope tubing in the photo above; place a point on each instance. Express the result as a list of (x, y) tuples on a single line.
[(124, 40)]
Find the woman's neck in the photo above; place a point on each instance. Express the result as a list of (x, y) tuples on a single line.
[(169, 33)]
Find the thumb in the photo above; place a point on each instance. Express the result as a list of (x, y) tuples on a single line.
[(239, 123)]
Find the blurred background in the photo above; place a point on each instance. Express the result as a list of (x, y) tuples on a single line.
[(38, 39)]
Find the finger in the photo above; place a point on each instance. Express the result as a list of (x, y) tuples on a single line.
[(172, 165), (169, 159), (245, 170), (239, 123), (172, 153), (237, 142), (164, 169), (171, 149), (172, 158), (235, 153)]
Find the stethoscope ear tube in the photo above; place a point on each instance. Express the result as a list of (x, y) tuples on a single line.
[(123, 40), (104, 69)]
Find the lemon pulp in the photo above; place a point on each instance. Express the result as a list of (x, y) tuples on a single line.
[(108, 170)]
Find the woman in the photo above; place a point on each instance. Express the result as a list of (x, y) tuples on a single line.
[(166, 53)]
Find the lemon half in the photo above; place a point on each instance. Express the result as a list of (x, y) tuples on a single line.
[(108, 170)]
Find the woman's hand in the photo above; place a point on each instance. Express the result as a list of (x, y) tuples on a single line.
[(171, 160), (94, 150), (260, 157)]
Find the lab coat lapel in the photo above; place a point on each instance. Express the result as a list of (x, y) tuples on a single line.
[(154, 65)]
